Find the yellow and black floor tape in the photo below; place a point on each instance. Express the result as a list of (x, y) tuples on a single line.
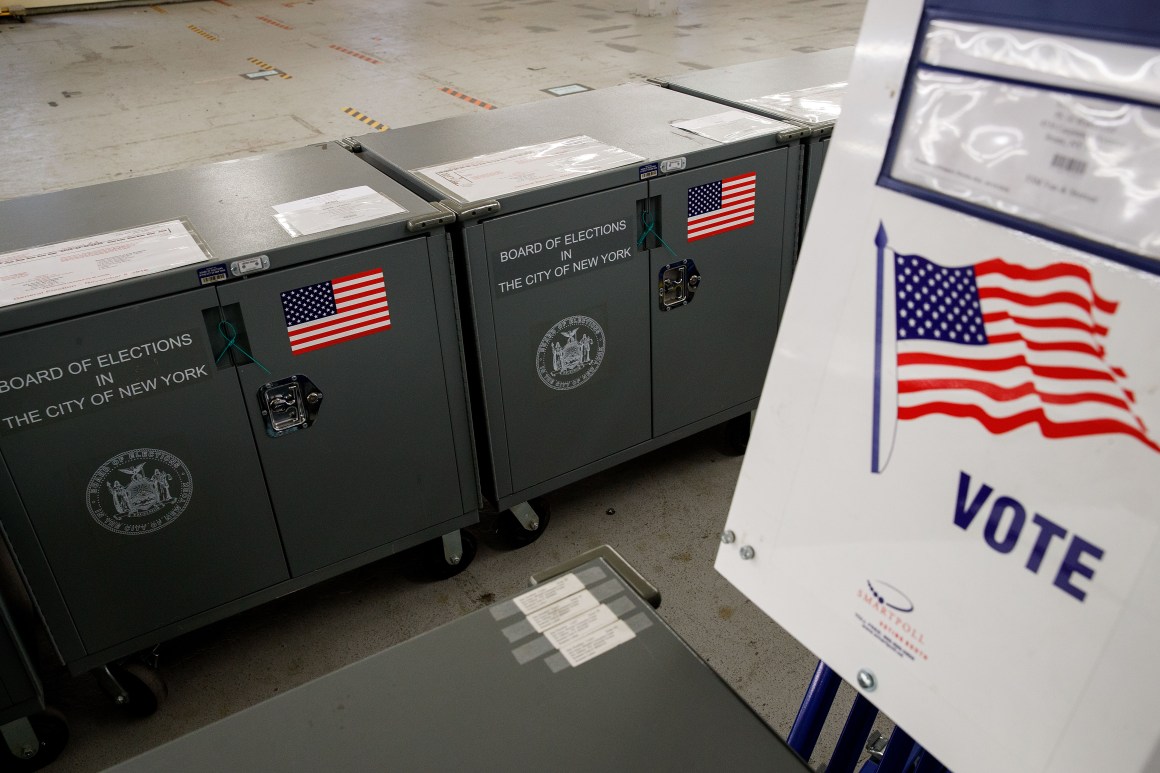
[(264, 66), (379, 127), (203, 33)]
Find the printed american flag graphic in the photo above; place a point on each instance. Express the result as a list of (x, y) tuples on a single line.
[(328, 313), (722, 205), (1009, 346)]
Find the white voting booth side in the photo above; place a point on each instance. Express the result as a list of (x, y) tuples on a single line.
[(951, 485)]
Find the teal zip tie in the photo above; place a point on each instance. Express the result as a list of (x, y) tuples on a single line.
[(230, 333), (650, 228)]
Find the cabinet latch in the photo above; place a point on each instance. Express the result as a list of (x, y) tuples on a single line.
[(676, 284), (289, 404)]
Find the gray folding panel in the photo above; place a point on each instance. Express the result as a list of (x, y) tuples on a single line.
[(173, 452), (486, 692), (578, 367)]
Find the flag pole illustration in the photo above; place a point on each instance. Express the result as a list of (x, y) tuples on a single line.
[(1002, 344), (878, 455)]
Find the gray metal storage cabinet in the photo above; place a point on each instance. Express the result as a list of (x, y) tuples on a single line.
[(802, 89), (168, 459), (594, 341), (454, 698)]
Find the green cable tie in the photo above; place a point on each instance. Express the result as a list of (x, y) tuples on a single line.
[(232, 343), (650, 228)]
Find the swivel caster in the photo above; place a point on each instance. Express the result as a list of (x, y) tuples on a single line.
[(136, 688), (32, 742), (450, 554), (523, 524)]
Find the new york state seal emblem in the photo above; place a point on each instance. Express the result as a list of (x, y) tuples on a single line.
[(570, 353), (139, 491)]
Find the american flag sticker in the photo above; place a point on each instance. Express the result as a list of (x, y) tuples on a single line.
[(1002, 344), (722, 205), (342, 309)]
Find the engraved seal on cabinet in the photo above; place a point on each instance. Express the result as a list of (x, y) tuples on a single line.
[(570, 353), (139, 491)]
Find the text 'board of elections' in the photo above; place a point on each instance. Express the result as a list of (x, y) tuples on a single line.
[(950, 481)]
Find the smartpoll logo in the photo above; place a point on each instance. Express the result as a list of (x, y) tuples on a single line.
[(885, 614), (999, 343), (890, 596)]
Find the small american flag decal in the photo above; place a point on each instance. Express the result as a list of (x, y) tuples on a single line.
[(342, 309), (722, 205)]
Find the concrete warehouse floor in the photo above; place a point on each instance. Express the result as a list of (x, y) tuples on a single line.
[(99, 95)]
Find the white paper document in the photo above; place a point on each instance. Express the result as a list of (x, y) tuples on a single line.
[(548, 593), (580, 626), (562, 610), (334, 210), (509, 171), (1083, 165), (815, 105), (63, 267), (597, 643), (732, 125)]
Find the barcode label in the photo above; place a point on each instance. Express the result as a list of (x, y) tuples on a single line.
[(1073, 165)]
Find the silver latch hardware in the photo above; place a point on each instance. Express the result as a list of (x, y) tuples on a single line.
[(677, 283), (289, 404)]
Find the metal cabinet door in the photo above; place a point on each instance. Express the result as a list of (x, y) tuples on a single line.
[(733, 221), (568, 290), (377, 464), (815, 158), (135, 465)]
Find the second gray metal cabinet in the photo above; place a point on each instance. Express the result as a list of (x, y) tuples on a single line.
[(604, 315)]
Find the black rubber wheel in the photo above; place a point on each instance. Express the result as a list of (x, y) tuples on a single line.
[(51, 730), (736, 432), (512, 535), (145, 685)]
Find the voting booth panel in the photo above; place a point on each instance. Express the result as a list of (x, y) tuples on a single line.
[(622, 252), (803, 89), (221, 384), (959, 417)]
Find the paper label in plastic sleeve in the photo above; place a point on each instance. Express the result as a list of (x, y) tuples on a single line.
[(334, 210), (733, 125), (77, 264), (531, 166), (1082, 165)]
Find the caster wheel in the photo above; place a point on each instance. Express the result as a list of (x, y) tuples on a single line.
[(736, 432), (512, 535), (145, 685), (51, 730), (435, 561)]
